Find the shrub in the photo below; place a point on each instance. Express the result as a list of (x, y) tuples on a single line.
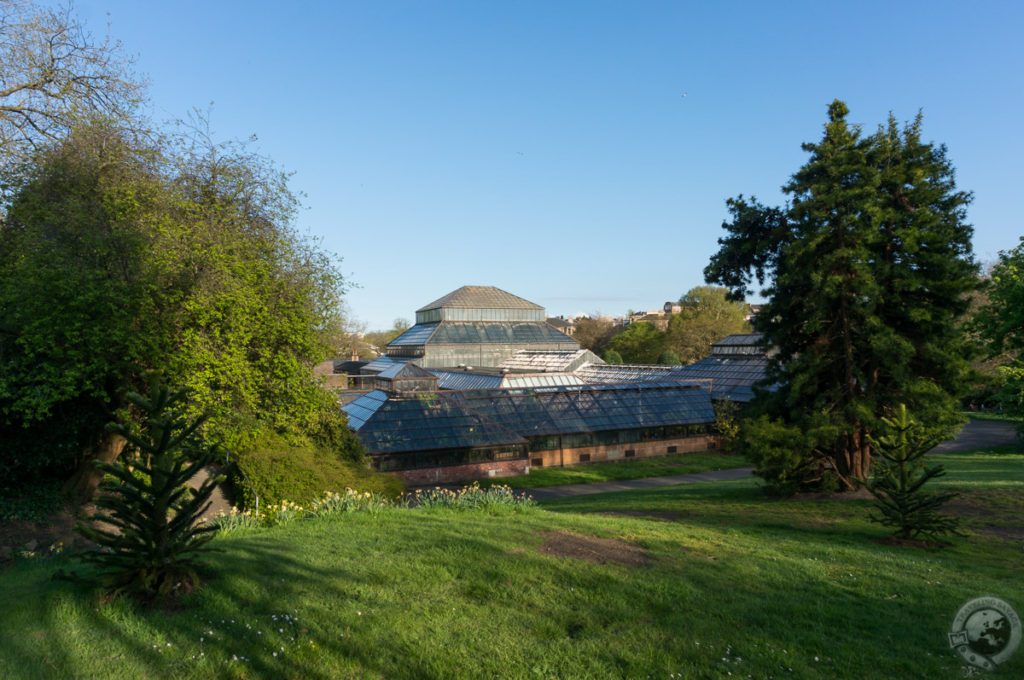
[(784, 455), (152, 551), (612, 357), (669, 358), (278, 469), (726, 422)]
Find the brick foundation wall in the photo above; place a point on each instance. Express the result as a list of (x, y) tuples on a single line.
[(461, 473), (598, 454)]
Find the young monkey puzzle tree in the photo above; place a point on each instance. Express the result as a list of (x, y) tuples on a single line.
[(151, 553), (899, 476), (867, 270)]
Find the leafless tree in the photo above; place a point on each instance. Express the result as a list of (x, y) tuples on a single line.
[(52, 72)]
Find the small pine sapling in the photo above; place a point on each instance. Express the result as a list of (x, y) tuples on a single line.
[(899, 475), (151, 550)]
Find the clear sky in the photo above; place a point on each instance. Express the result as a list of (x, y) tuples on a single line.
[(577, 154)]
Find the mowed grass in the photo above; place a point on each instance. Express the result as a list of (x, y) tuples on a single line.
[(993, 415), (589, 473), (733, 584)]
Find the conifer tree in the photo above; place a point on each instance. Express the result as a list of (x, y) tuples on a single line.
[(151, 550), (899, 477), (866, 271)]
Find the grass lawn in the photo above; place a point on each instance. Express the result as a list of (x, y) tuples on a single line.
[(709, 580), (992, 415), (679, 464)]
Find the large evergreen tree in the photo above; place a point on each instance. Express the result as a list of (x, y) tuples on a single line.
[(866, 272)]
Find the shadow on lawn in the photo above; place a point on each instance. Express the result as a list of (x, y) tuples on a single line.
[(518, 611), (76, 617)]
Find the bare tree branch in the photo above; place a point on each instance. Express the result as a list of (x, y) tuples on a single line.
[(52, 73)]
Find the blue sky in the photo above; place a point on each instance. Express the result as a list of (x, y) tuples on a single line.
[(577, 154)]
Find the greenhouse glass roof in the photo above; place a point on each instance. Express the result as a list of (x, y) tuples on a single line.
[(417, 335), (429, 422), (382, 363), (732, 377), (477, 332), (475, 418), (363, 408), (460, 380), (557, 361)]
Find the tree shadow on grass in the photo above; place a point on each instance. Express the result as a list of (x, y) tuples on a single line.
[(470, 598)]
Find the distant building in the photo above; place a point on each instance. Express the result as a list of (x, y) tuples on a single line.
[(567, 326)]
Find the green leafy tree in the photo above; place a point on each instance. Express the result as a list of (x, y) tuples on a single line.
[(118, 257), (378, 340), (152, 547), (707, 316), (669, 358), (612, 357), (594, 333), (1001, 324), (640, 343), (899, 477), (866, 272)]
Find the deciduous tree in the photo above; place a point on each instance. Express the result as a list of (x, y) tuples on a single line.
[(640, 343), (53, 73), (594, 333), (707, 316), (1001, 323), (118, 258)]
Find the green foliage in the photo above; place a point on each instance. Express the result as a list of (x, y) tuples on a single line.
[(119, 256), (612, 357), (1001, 324), (669, 358), (276, 469), (1001, 319), (727, 425), (640, 343), (379, 340), (151, 550), (867, 271), (899, 477), (493, 498), (707, 316), (30, 502), (781, 454)]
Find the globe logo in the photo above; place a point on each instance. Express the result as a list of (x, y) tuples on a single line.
[(986, 632)]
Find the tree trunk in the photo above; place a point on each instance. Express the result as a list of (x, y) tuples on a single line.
[(82, 486), (853, 461)]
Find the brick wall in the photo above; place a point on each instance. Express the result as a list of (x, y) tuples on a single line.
[(596, 454), (460, 473)]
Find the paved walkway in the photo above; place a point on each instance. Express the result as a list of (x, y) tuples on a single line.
[(977, 434)]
